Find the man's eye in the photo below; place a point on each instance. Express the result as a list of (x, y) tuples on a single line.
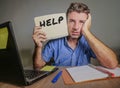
[(82, 22), (71, 20)]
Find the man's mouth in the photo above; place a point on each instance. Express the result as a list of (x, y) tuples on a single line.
[(75, 33)]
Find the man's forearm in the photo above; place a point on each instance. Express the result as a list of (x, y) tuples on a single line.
[(104, 54), (38, 62)]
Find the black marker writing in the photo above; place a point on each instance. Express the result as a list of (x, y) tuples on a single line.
[(50, 22)]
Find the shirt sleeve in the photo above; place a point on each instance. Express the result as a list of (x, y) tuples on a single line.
[(90, 51), (47, 52)]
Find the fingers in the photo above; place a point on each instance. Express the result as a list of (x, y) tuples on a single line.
[(38, 29), (89, 16), (38, 36), (88, 22)]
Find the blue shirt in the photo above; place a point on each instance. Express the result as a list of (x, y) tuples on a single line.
[(64, 55)]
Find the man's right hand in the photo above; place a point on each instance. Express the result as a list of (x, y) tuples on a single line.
[(38, 36)]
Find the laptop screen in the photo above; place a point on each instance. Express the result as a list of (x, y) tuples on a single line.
[(10, 63), (8, 52), (3, 38)]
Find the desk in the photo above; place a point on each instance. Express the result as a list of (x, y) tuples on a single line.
[(46, 83)]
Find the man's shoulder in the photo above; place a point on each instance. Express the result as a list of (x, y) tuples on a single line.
[(57, 40), (83, 41)]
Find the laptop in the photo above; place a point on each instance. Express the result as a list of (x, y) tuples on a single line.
[(11, 67)]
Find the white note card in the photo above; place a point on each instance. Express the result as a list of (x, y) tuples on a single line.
[(54, 25)]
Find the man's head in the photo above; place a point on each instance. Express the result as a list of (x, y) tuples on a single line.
[(77, 14)]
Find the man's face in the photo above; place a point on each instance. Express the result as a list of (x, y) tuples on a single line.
[(75, 24)]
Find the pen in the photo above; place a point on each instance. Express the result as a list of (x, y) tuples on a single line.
[(103, 70), (54, 80), (106, 71)]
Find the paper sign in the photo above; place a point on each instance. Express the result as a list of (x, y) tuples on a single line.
[(48, 68), (3, 38), (54, 25)]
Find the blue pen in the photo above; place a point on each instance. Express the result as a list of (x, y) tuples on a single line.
[(57, 77)]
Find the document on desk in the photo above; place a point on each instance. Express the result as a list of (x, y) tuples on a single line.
[(87, 73)]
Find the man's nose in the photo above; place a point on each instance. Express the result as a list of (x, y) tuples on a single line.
[(77, 26)]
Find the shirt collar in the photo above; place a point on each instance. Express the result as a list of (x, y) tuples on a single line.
[(65, 39), (79, 41)]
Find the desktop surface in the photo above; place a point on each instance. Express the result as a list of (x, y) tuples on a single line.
[(46, 83)]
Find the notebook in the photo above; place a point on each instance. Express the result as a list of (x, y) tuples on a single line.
[(88, 73), (54, 25), (11, 67)]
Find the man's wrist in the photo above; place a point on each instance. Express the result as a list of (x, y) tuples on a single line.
[(38, 47), (86, 32)]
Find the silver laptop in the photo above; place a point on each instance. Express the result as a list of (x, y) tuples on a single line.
[(10, 61)]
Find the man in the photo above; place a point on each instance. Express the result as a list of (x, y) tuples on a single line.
[(77, 48)]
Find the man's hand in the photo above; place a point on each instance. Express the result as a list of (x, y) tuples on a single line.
[(87, 24), (38, 36)]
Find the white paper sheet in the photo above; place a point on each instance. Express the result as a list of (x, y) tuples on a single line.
[(85, 73)]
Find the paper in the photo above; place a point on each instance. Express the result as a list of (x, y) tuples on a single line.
[(47, 68), (85, 73), (116, 71), (3, 37), (54, 25)]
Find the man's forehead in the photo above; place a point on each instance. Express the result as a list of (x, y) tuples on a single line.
[(76, 15)]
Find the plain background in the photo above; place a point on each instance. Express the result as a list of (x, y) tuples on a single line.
[(105, 19)]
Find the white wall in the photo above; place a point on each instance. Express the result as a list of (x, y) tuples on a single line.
[(105, 18)]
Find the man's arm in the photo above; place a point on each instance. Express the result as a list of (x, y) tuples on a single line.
[(103, 53), (38, 62), (38, 37)]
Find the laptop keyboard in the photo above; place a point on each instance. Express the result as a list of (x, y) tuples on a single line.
[(33, 73)]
